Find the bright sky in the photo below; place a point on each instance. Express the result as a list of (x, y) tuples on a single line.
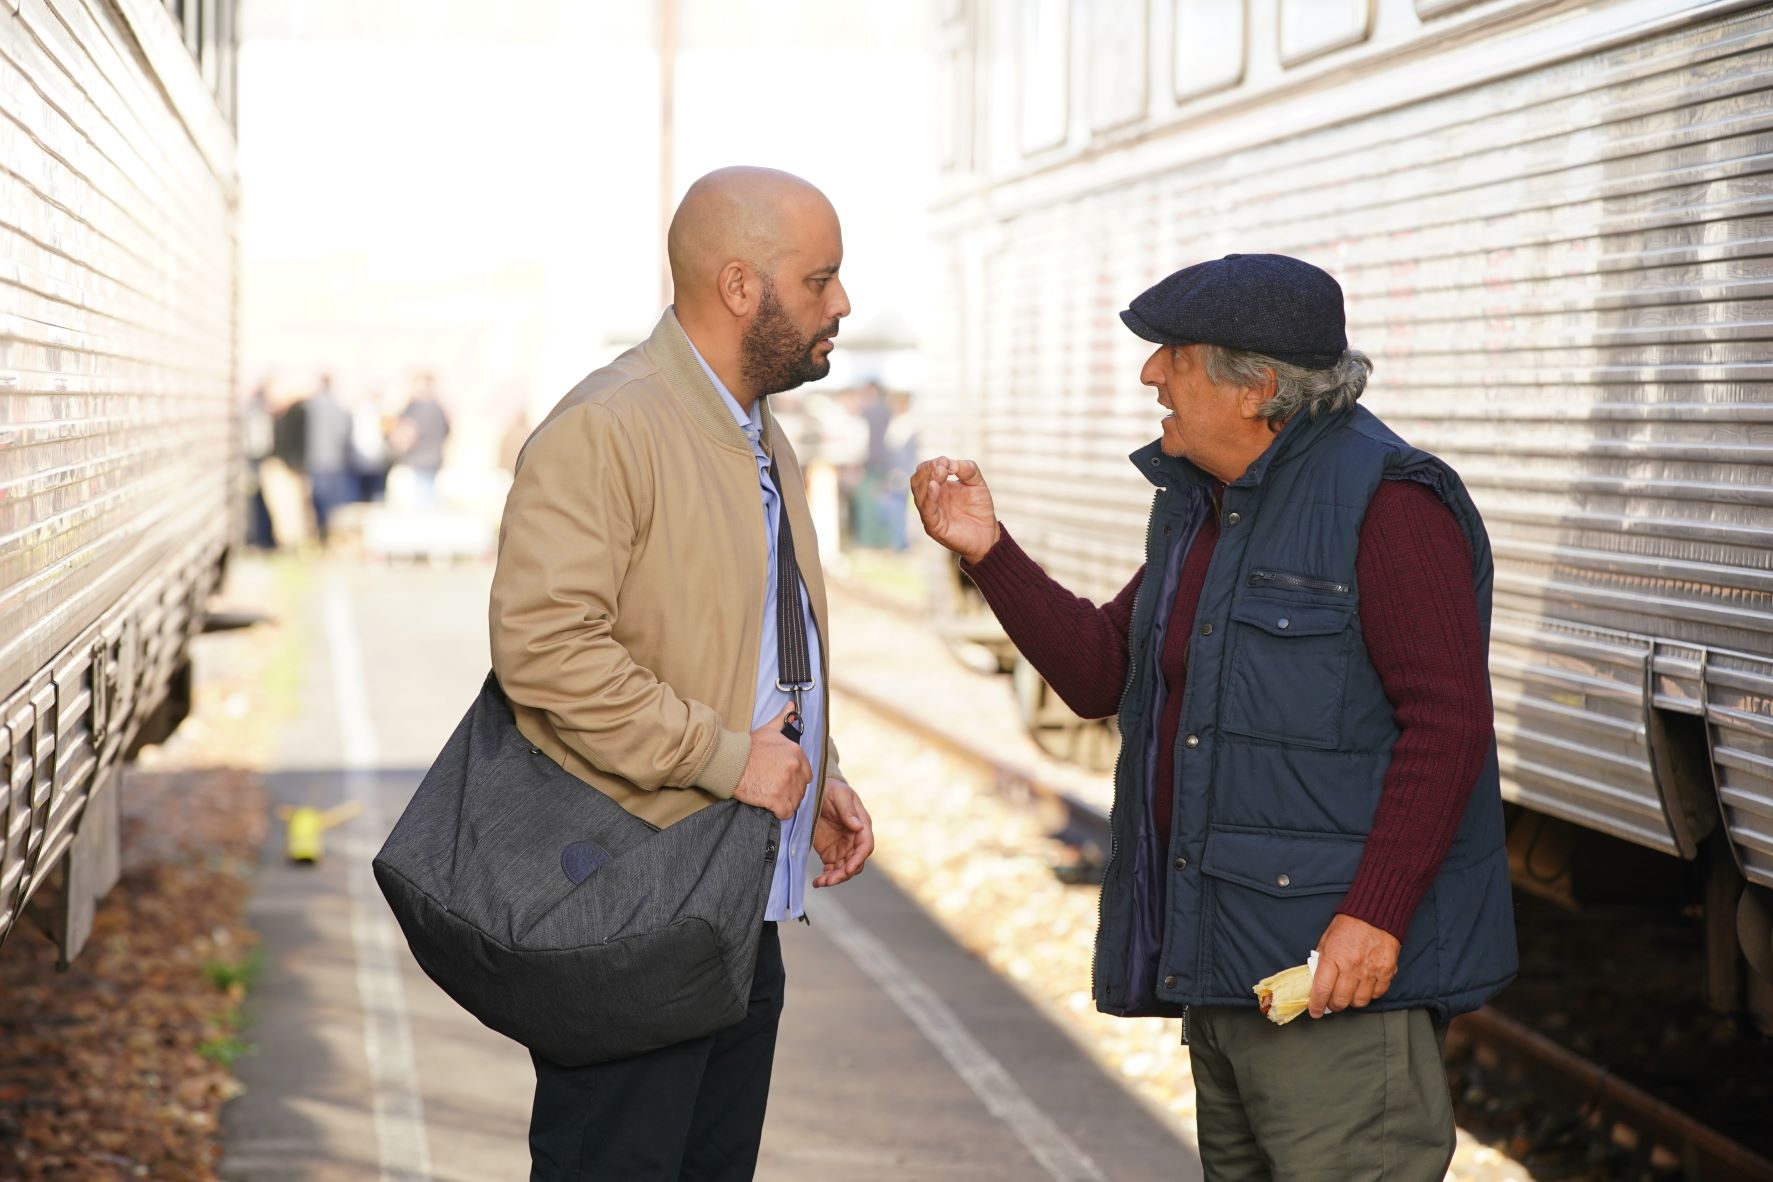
[(425, 187)]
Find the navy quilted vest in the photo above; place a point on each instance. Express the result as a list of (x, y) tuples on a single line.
[(1286, 734)]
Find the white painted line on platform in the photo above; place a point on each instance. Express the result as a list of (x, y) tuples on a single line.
[(401, 1144), (988, 1078)]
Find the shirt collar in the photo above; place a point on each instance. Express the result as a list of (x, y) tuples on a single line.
[(751, 424)]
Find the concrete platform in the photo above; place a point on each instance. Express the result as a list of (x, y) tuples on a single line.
[(901, 1055)]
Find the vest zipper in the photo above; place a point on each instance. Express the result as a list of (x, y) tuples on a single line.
[(1120, 757), (1260, 578)]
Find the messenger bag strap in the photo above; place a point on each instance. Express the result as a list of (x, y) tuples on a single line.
[(794, 667)]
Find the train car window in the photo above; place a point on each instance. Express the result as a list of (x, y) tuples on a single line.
[(1043, 75), (1311, 27), (226, 43), (207, 27), (193, 19), (209, 57), (1208, 51), (1119, 62)]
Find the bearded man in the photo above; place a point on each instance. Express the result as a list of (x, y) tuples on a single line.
[(656, 551), (1307, 759)]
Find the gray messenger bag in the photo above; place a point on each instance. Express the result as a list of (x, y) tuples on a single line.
[(557, 918)]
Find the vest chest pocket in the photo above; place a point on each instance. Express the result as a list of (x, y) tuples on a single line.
[(1288, 671)]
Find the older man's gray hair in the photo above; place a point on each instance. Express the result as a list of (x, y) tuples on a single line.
[(1315, 391)]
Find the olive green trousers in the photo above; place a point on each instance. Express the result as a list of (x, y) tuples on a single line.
[(1349, 1097)]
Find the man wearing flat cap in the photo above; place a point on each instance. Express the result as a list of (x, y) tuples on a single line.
[(1307, 759)]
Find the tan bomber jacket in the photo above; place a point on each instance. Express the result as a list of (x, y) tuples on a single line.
[(628, 599)]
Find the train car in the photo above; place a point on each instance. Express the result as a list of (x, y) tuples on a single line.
[(119, 470), (1551, 222)]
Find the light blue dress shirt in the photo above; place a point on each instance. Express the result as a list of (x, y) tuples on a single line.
[(788, 888)]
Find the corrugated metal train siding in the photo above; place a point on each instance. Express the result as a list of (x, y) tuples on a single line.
[(1565, 279), (117, 453)]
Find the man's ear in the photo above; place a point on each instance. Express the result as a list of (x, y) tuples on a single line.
[(738, 289), (1251, 399)]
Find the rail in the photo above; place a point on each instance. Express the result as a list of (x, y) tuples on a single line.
[(1627, 1115)]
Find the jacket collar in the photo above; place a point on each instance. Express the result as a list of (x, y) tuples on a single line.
[(1296, 438), (1166, 471), (669, 348)]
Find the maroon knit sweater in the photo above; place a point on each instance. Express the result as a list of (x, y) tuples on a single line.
[(1421, 629)]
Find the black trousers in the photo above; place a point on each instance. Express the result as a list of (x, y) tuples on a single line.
[(692, 1112)]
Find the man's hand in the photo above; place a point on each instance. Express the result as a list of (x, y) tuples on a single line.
[(777, 773), (1355, 964), (843, 834), (957, 513)]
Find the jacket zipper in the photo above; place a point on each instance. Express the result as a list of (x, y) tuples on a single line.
[(1259, 578), (1120, 758)]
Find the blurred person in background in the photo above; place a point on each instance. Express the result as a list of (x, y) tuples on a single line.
[(369, 450), (289, 435), (258, 437), (1308, 761), (842, 446), (900, 459), (869, 530), (326, 455), (281, 476), (418, 439), (637, 632)]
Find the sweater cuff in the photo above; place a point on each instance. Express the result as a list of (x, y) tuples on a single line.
[(1004, 565), (726, 764), (1387, 901)]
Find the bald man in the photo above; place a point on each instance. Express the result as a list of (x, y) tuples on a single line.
[(638, 627)]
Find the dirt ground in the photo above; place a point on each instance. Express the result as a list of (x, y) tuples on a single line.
[(118, 1068)]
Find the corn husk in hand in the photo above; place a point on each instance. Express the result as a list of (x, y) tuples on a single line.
[(1286, 994)]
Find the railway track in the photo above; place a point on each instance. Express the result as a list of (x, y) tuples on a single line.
[(1604, 1126), (1633, 1130)]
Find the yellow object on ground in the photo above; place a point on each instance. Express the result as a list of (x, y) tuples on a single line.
[(308, 825)]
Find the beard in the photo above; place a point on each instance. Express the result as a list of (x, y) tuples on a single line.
[(773, 355)]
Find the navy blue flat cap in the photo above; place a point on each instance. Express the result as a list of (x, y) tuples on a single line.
[(1270, 304)]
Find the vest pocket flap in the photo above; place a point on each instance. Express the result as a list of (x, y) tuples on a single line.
[(1280, 863), (1282, 618)]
